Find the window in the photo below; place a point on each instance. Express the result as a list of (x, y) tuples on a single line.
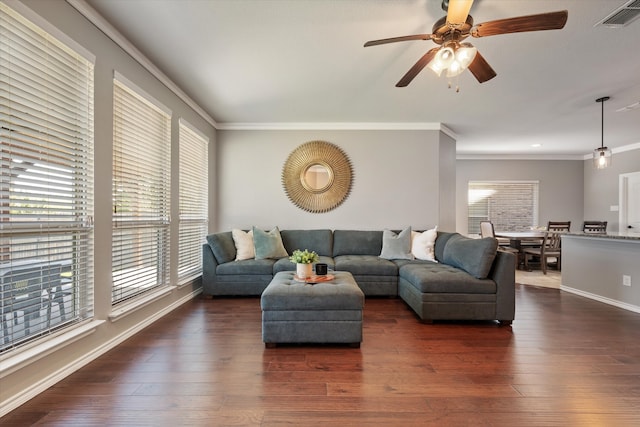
[(193, 201), (46, 185), (141, 192), (510, 205)]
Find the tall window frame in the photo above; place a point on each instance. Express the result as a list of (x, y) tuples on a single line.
[(46, 184), (510, 205), (193, 199), (141, 192)]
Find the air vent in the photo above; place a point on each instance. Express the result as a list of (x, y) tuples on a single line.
[(623, 15)]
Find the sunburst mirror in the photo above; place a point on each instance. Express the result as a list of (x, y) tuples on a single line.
[(317, 176)]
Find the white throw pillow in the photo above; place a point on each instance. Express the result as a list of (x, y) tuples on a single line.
[(423, 244), (244, 244)]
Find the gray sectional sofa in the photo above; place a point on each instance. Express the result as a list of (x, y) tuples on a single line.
[(471, 279)]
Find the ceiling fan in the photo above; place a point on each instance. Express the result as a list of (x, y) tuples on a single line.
[(454, 55)]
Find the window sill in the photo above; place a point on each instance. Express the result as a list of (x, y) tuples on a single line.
[(14, 362), (190, 280), (123, 310)]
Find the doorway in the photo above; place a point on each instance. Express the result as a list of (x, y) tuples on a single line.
[(630, 202)]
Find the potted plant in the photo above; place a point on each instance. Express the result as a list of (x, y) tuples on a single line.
[(303, 260)]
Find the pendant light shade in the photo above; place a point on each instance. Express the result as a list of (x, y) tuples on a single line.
[(602, 154)]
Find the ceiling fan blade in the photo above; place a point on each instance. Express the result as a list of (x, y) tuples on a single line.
[(458, 11), (481, 69), (398, 39), (417, 67), (542, 21)]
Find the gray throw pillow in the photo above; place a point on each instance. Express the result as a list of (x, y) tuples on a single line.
[(396, 246), (222, 246), (475, 256), (268, 244)]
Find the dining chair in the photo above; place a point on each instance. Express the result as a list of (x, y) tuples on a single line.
[(594, 227), (550, 248), (487, 230), (559, 226)]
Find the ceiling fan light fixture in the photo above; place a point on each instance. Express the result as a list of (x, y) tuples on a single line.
[(455, 69), (443, 59), (455, 58), (465, 55)]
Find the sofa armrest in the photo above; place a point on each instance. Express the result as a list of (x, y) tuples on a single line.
[(503, 273), (209, 265)]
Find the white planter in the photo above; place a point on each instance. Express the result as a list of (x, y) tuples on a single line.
[(303, 271)]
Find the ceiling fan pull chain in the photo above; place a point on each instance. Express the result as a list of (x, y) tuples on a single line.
[(450, 85)]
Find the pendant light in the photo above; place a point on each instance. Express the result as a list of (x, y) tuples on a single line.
[(602, 155)]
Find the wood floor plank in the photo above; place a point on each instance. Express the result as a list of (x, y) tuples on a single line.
[(565, 361)]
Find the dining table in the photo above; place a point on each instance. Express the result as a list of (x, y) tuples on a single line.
[(521, 240), (516, 238)]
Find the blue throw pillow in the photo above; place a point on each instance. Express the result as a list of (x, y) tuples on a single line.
[(396, 246), (268, 244)]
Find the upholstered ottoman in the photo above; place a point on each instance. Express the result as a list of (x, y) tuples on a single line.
[(326, 312)]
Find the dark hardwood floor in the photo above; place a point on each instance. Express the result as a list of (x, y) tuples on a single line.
[(566, 361)]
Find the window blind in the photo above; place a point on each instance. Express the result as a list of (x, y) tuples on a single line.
[(46, 185), (194, 191), (141, 193), (509, 205)]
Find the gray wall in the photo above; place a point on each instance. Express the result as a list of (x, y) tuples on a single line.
[(560, 191), (447, 169), (109, 57), (594, 267), (601, 186), (398, 179)]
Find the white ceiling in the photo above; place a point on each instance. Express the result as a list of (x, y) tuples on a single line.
[(303, 62)]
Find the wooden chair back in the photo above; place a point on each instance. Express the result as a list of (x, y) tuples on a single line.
[(559, 226), (597, 227), (551, 242)]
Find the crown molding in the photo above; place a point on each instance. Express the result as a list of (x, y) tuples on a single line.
[(467, 156), (110, 31), (504, 156), (630, 147), (337, 126)]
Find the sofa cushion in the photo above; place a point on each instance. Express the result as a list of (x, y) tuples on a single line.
[(441, 242), (475, 256), (357, 242), (244, 244), (422, 244), (222, 246), (246, 267), (396, 246), (370, 265), (320, 241), (268, 244), (441, 278)]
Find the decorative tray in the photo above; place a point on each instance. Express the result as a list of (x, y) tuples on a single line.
[(314, 279)]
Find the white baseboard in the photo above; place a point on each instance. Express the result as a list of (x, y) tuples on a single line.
[(600, 298), (29, 393)]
